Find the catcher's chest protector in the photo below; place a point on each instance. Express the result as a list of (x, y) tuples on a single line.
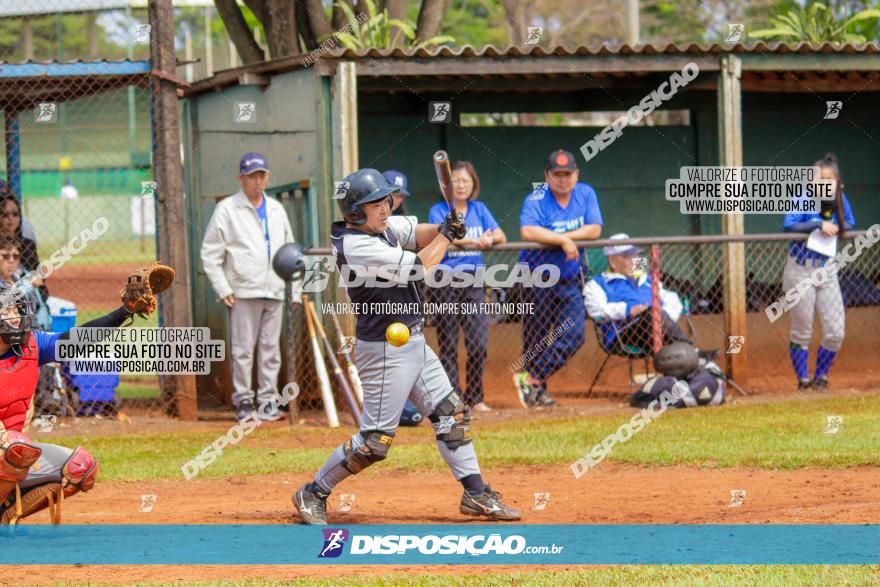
[(18, 381)]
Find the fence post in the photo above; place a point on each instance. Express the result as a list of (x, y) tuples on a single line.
[(730, 154), (178, 391)]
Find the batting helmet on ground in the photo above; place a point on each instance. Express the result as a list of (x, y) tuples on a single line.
[(361, 187), (289, 261), (678, 359)]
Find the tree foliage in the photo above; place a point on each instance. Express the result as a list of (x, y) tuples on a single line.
[(298, 26), (376, 29), (816, 23)]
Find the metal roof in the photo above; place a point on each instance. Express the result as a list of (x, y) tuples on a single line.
[(432, 65), (605, 49), (26, 83), (72, 68)]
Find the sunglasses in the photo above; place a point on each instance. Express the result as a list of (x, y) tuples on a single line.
[(10, 256)]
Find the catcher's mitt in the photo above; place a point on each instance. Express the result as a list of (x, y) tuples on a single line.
[(139, 293)]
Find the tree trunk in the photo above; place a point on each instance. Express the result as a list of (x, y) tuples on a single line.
[(238, 31), (397, 9), (431, 18), (281, 33), (258, 7), (517, 25), (316, 19), (339, 19), (306, 32)]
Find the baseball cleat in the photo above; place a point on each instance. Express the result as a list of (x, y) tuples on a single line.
[(481, 407), (243, 410), (311, 504), (543, 400), (526, 391), (820, 383), (804, 384), (487, 504), (270, 415)]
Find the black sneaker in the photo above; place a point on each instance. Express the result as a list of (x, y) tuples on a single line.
[(543, 400), (820, 383), (527, 392), (243, 410), (487, 504), (311, 503)]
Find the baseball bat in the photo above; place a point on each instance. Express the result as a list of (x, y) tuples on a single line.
[(841, 214), (334, 365), (321, 371), (444, 176), (353, 373)]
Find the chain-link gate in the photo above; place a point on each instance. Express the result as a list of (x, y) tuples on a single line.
[(77, 190), (617, 334)]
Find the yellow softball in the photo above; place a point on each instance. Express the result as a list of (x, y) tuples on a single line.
[(397, 334)]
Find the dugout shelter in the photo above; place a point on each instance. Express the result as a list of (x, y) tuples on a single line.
[(320, 116)]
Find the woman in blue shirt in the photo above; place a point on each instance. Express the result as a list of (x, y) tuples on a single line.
[(482, 232), (825, 299)]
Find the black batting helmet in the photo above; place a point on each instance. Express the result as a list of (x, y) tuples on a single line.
[(289, 261), (678, 359), (361, 187)]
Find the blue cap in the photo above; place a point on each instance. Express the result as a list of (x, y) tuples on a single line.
[(397, 179), (252, 162)]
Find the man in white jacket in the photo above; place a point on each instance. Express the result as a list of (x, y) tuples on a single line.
[(622, 296), (245, 231)]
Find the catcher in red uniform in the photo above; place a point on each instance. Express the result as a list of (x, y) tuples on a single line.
[(34, 475)]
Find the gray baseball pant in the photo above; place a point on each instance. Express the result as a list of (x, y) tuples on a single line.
[(825, 300), (48, 466), (255, 322), (390, 375)]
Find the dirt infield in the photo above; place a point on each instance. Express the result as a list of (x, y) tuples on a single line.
[(611, 494), (91, 287)]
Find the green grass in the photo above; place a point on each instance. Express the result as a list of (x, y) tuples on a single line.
[(83, 316), (139, 387), (679, 575), (783, 435)]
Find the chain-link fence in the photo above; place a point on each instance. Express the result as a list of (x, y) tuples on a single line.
[(77, 191), (602, 336)]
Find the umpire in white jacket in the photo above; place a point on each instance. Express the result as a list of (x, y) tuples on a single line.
[(245, 231)]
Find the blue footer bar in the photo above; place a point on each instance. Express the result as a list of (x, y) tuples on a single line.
[(442, 544)]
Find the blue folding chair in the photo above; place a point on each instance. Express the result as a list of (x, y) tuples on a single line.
[(608, 333)]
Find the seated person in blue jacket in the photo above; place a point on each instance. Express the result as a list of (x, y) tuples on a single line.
[(623, 295)]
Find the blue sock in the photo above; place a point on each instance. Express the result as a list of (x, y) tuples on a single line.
[(473, 484), (824, 360), (799, 360)]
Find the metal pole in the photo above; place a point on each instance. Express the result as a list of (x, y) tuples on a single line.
[(188, 51), (13, 152), (632, 22), (178, 391), (209, 44), (130, 98)]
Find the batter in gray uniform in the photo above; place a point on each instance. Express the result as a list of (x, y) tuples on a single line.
[(370, 244)]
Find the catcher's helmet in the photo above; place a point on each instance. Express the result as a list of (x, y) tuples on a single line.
[(15, 327), (361, 187), (678, 359), (289, 261)]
